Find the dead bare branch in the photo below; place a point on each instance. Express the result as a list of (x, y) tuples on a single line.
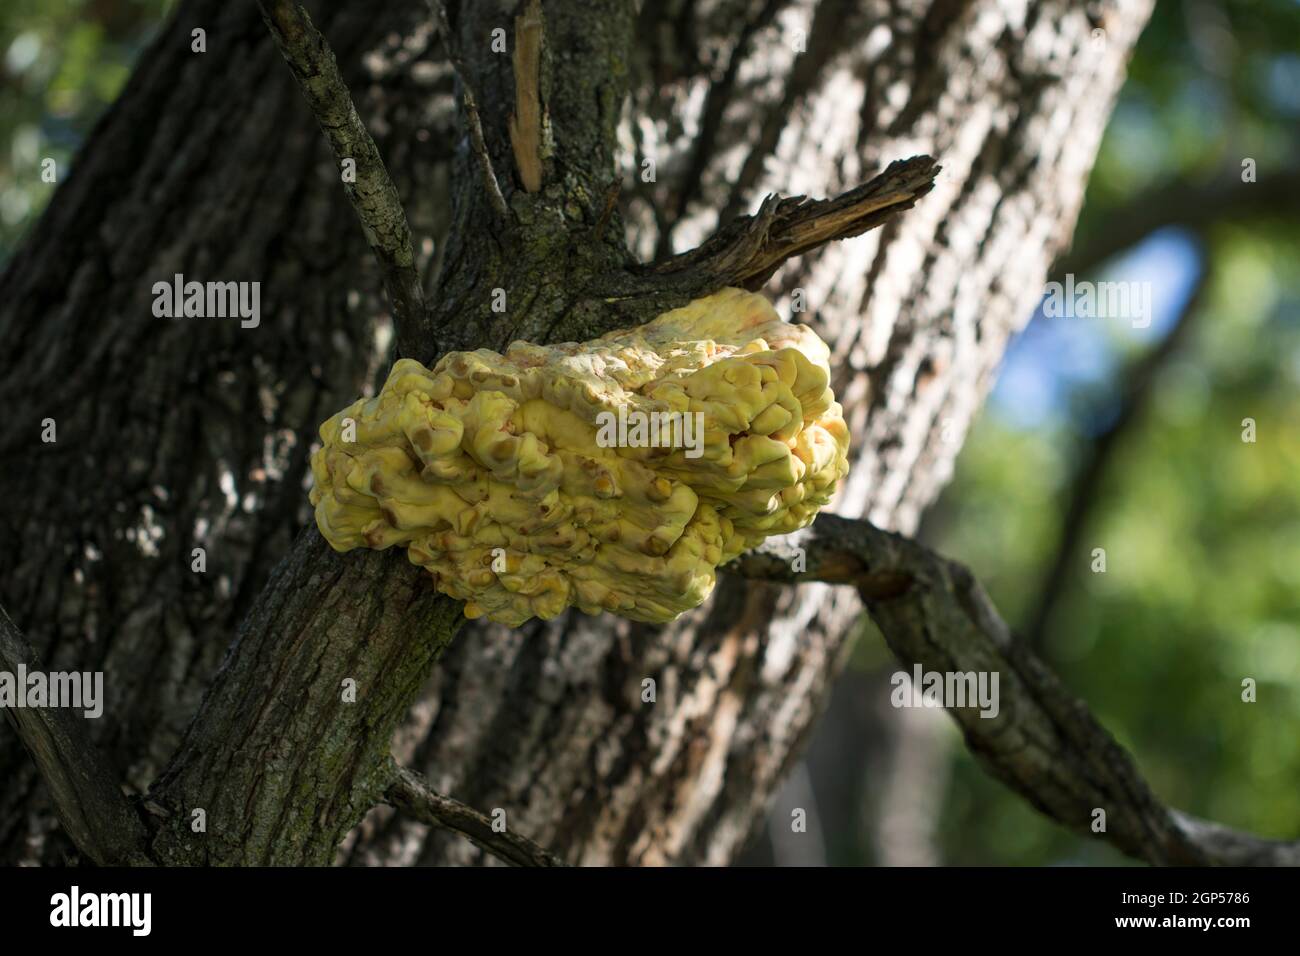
[(1044, 742), (749, 250), (411, 793)]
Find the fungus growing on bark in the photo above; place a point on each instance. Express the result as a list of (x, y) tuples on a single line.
[(615, 474)]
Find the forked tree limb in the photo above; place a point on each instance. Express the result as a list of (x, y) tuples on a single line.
[(83, 788), (373, 195), (412, 794), (1044, 742)]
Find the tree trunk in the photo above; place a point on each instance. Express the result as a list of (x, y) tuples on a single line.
[(176, 434)]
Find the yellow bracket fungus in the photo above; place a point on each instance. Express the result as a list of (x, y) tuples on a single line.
[(615, 475)]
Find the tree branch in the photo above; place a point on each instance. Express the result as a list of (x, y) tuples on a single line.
[(411, 793), (1044, 743), (84, 789), (1195, 206), (477, 143), (1136, 390), (373, 195), (749, 250)]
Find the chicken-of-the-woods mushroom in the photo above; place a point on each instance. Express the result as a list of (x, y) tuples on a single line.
[(615, 474)]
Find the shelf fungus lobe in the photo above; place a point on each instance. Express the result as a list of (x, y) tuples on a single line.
[(541, 478)]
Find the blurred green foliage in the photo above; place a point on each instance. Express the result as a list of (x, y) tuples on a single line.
[(1201, 529), (61, 63)]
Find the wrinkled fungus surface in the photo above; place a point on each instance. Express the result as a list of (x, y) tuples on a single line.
[(497, 473)]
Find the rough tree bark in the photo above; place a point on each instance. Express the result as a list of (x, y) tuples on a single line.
[(174, 435)]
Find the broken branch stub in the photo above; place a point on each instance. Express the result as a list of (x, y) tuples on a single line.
[(748, 251)]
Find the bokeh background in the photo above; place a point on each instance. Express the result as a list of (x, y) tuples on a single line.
[(1097, 435)]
